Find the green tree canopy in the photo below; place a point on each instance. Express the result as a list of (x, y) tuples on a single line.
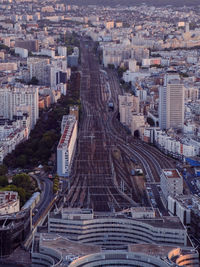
[(22, 180), (34, 81), (3, 169), (3, 181), (21, 192)]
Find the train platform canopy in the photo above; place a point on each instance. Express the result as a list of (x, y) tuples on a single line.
[(194, 162)]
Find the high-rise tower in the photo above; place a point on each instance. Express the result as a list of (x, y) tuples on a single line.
[(171, 102)]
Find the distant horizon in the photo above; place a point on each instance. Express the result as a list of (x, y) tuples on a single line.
[(175, 3)]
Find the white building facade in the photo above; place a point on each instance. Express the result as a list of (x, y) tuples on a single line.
[(19, 99), (67, 145), (171, 182)]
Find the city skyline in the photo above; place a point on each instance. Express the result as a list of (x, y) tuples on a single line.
[(99, 133)]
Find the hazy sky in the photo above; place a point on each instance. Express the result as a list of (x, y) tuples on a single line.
[(129, 2)]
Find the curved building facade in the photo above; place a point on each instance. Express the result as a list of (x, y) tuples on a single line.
[(79, 237), (117, 232), (184, 259), (115, 258)]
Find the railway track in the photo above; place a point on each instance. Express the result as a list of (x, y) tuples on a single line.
[(100, 181), (93, 183)]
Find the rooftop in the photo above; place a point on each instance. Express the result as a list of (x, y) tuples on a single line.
[(172, 173), (66, 246), (165, 222), (77, 211), (142, 209), (68, 129), (70, 248), (150, 249)]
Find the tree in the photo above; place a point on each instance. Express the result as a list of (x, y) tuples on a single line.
[(22, 180), (150, 121), (20, 190), (21, 161), (3, 169), (120, 71), (3, 181), (33, 81), (111, 66)]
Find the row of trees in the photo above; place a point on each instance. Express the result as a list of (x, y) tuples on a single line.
[(56, 184), (70, 40)]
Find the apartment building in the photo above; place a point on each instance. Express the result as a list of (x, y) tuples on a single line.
[(19, 99), (187, 208), (67, 145), (38, 68)]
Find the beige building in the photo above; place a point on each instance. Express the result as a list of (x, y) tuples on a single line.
[(119, 24), (137, 125), (74, 110), (128, 104), (110, 25), (2, 55), (191, 93), (8, 66)]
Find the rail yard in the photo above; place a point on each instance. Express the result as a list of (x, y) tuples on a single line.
[(101, 177)]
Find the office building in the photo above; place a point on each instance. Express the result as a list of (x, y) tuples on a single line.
[(139, 226), (171, 103)]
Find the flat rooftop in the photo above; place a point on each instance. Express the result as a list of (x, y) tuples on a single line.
[(66, 136), (142, 209), (66, 246), (151, 249), (77, 211), (70, 248), (162, 222), (165, 222), (172, 173)]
